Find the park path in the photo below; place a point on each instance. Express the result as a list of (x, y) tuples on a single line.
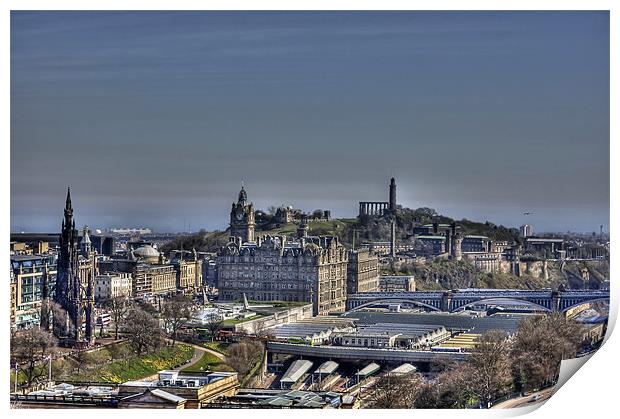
[(197, 356), (198, 352), (525, 400), (211, 351)]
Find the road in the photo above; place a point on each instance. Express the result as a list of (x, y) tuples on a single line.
[(525, 401)]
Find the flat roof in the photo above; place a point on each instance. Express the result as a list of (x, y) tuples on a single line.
[(165, 395), (369, 369), (327, 367), (296, 371), (21, 258), (542, 239), (460, 322), (404, 329), (403, 369)]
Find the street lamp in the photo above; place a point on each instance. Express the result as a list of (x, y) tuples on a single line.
[(16, 371), (49, 374)]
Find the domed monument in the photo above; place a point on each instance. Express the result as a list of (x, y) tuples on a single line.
[(147, 253)]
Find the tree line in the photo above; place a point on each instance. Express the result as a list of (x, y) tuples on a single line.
[(499, 365)]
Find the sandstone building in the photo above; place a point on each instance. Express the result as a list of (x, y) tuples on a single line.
[(272, 268), (188, 269), (362, 271), (313, 269), (242, 221)]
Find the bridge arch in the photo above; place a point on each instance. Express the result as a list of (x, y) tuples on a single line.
[(602, 299), (392, 301), (499, 302)]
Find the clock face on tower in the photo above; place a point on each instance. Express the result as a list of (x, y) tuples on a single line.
[(239, 216)]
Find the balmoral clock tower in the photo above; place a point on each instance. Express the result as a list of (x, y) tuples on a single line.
[(242, 218)]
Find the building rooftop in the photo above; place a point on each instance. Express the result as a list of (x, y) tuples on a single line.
[(310, 327), (21, 258), (64, 389), (403, 329), (453, 322), (296, 371), (403, 369), (172, 378), (327, 367), (289, 398), (542, 240), (369, 369), (426, 237)]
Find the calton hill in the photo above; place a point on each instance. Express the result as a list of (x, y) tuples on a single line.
[(434, 274)]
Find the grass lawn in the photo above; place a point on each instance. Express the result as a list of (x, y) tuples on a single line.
[(99, 368), (232, 322), (139, 367), (208, 362), (221, 347)]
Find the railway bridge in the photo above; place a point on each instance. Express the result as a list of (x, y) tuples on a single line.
[(455, 300)]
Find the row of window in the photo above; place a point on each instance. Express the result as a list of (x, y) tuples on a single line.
[(267, 285), (249, 259), (264, 297), (253, 267)]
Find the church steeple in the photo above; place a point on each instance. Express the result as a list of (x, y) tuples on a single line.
[(68, 209)]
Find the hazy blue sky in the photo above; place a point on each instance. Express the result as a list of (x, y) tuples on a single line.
[(153, 118)]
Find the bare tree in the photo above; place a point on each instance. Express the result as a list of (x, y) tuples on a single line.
[(118, 307), (81, 360), (449, 390), (260, 328), (29, 348), (176, 313), (244, 355), (488, 367), (396, 392), (143, 331), (117, 351), (214, 324), (540, 344)]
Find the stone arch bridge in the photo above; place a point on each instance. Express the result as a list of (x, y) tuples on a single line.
[(449, 301)]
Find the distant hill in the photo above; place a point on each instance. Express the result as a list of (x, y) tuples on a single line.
[(437, 274), (345, 228)]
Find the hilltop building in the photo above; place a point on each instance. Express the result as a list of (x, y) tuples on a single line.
[(379, 208)]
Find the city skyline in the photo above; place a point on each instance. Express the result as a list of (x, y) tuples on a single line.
[(189, 228), (154, 118)]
